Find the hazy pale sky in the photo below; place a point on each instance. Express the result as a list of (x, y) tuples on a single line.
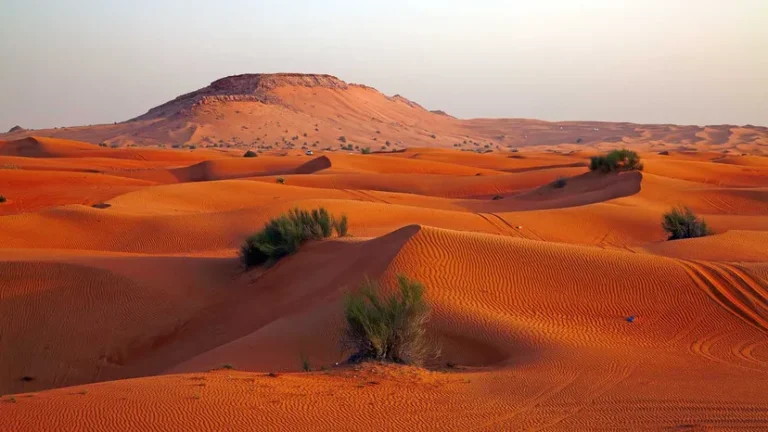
[(77, 62)]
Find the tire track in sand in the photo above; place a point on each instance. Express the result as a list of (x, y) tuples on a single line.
[(740, 294), (733, 289)]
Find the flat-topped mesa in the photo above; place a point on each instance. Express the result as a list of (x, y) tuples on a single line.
[(246, 87)]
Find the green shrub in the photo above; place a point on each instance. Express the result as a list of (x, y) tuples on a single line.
[(343, 139), (390, 328), (682, 223), (280, 180), (3, 199), (616, 160), (305, 365), (340, 226), (250, 154), (366, 150), (282, 236), (559, 183)]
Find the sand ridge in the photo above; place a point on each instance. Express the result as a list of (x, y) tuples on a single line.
[(122, 288)]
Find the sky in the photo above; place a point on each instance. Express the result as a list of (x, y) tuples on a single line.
[(79, 62)]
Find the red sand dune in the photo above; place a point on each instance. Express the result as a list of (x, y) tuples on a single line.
[(121, 286)]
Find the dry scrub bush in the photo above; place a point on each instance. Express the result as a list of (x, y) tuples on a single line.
[(283, 235), (391, 329)]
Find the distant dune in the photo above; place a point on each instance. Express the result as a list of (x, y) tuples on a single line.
[(291, 111)]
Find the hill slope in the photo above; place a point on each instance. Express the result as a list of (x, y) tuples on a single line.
[(315, 111)]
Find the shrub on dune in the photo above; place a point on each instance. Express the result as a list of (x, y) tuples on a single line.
[(392, 328), (682, 223), (340, 226), (616, 160), (280, 180), (365, 150), (3, 199), (250, 154), (283, 235)]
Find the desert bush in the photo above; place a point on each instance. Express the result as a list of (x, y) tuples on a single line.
[(282, 236), (280, 180), (616, 160), (682, 223), (343, 139), (559, 183), (341, 226), (250, 154), (365, 150), (3, 199), (433, 136), (389, 328), (497, 197)]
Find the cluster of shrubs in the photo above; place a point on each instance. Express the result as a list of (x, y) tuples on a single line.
[(365, 150), (250, 154), (282, 236), (616, 160), (682, 223), (388, 328)]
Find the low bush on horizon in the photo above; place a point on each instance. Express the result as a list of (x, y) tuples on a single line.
[(682, 223), (388, 328), (3, 199), (616, 160), (283, 235), (250, 154), (365, 150), (280, 180)]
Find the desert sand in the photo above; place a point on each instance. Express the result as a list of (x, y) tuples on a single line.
[(124, 306)]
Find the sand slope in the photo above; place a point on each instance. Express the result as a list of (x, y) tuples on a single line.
[(530, 286)]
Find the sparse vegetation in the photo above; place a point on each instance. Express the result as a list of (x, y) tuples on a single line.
[(227, 366), (616, 160), (280, 180), (283, 235), (341, 226), (559, 183), (305, 366), (250, 154), (390, 328), (365, 150), (497, 197), (682, 223), (3, 199), (343, 139)]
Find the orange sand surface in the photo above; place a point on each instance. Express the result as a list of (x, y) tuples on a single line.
[(122, 295)]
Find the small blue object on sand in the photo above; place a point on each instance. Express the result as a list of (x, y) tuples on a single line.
[(631, 319)]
